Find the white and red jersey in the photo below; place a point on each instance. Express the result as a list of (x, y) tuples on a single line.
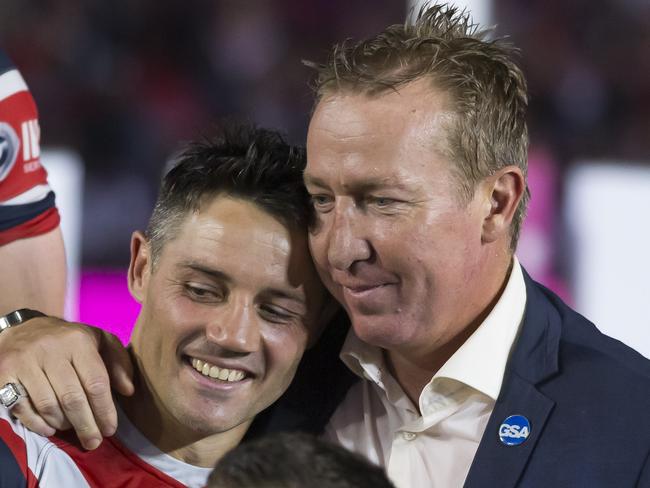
[(127, 459), (27, 206)]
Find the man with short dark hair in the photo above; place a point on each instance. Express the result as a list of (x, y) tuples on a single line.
[(230, 300)]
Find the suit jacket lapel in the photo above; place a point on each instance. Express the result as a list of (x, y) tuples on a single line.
[(496, 464), (534, 359)]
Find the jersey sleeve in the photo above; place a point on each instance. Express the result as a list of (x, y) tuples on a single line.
[(27, 205), (15, 471)]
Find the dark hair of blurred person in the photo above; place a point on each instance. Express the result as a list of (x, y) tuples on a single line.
[(295, 460)]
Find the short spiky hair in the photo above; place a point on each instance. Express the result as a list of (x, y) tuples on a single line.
[(485, 86), (236, 160)]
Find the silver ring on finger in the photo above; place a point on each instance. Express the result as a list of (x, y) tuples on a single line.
[(11, 393)]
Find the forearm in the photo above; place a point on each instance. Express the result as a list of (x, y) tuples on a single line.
[(34, 274)]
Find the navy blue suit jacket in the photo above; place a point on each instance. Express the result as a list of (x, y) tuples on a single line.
[(586, 396)]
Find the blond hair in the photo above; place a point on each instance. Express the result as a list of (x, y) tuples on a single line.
[(486, 87)]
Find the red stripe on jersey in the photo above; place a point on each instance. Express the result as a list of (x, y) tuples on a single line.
[(41, 224), (112, 464), (19, 111), (16, 445)]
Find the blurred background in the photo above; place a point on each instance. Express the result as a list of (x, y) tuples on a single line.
[(120, 85)]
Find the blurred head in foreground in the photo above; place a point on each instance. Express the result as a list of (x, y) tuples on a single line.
[(295, 460)]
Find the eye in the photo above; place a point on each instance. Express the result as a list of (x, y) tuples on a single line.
[(321, 202), (382, 202), (275, 314), (201, 293)]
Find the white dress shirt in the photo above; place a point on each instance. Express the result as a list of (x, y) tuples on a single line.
[(432, 446)]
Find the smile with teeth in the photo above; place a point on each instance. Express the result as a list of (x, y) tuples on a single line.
[(224, 374)]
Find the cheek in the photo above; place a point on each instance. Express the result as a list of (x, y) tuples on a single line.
[(167, 320), (318, 246), (174, 308), (284, 348), (318, 251)]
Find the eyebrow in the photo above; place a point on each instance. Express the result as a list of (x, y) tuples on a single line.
[(364, 185), (313, 180), (278, 293), (215, 274)]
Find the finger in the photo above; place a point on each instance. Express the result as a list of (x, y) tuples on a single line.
[(119, 364), (24, 411), (42, 399), (73, 401), (93, 376)]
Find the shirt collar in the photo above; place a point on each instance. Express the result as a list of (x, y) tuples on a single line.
[(479, 363), (139, 445)]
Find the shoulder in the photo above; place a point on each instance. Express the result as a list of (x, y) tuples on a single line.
[(593, 365), (28, 459), (581, 339), (27, 205)]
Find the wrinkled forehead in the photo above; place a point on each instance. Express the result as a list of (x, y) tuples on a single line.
[(396, 132), (416, 109)]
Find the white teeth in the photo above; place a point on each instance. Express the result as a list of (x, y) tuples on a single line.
[(216, 372)]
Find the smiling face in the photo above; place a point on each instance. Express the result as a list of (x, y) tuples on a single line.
[(393, 240), (227, 312)]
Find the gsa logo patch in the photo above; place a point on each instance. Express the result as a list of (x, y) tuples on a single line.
[(8, 149), (514, 430)]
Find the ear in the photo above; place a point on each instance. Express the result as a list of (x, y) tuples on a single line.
[(504, 190), (140, 266)]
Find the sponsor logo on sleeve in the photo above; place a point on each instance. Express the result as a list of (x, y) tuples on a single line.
[(9, 146)]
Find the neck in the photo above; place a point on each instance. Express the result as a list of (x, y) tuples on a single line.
[(413, 369), (164, 431)]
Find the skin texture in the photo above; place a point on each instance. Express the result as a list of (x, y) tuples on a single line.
[(415, 266), (65, 367), (36, 270), (237, 289)]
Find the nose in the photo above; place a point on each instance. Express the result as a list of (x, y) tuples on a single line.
[(236, 328), (346, 243)]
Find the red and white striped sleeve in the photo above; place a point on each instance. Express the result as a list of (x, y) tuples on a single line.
[(28, 460), (27, 206)]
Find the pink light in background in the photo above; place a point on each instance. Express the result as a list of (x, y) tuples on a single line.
[(537, 245), (104, 301)]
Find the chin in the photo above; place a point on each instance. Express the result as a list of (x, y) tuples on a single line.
[(381, 331), (207, 426), (204, 422)]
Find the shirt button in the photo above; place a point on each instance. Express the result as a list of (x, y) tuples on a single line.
[(409, 436)]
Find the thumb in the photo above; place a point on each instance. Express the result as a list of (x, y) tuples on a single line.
[(118, 363)]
